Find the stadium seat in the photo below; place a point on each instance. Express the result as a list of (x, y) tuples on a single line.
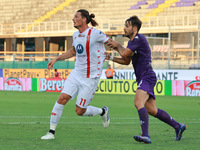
[(27, 11)]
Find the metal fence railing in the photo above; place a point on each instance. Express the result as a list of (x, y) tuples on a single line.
[(28, 56), (175, 51), (154, 23)]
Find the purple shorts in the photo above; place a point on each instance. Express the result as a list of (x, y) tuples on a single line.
[(146, 82)]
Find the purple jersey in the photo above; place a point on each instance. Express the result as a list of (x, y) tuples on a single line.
[(141, 59)]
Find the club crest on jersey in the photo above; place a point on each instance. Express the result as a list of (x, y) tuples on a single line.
[(79, 48), (101, 33)]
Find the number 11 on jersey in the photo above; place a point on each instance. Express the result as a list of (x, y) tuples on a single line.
[(82, 102)]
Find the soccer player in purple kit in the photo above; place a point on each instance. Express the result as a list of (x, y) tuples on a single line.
[(139, 52)]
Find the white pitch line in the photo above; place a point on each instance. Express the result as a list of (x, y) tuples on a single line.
[(16, 123), (112, 117)]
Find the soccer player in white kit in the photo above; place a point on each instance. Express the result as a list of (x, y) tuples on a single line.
[(89, 49)]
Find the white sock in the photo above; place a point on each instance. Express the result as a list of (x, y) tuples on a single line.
[(55, 115), (92, 111)]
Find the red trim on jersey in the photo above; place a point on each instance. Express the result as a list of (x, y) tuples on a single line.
[(106, 41), (88, 53)]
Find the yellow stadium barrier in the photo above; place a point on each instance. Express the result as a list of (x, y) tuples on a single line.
[(160, 8)]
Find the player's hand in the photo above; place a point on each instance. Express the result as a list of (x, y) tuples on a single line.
[(51, 63), (112, 44), (107, 55)]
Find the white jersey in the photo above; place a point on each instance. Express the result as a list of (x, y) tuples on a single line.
[(90, 49)]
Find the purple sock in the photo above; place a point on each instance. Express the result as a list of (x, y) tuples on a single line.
[(144, 121), (165, 117)]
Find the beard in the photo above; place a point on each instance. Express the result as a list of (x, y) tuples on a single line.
[(128, 35), (76, 27)]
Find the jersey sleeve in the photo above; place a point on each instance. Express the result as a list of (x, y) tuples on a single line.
[(101, 37)]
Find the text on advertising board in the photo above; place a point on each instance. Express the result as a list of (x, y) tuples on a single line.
[(193, 89), (51, 85), (13, 84), (35, 73), (125, 87)]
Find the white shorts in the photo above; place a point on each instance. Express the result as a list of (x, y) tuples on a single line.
[(84, 87)]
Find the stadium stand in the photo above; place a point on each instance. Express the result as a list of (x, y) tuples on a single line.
[(41, 20), (23, 15), (21, 11)]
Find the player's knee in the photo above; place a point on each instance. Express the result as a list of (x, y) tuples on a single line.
[(63, 99), (151, 112), (79, 111), (137, 105), (154, 112)]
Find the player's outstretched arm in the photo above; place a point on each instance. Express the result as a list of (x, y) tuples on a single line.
[(68, 54), (124, 52), (115, 45), (123, 61)]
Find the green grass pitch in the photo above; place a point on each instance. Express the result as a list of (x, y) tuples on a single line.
[(24, 118)]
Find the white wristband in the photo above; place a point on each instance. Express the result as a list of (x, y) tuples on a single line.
[(111, 58)]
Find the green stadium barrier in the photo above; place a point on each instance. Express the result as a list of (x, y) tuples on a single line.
[(39, 64), (35, 84), (36, 64), (168, 87)]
